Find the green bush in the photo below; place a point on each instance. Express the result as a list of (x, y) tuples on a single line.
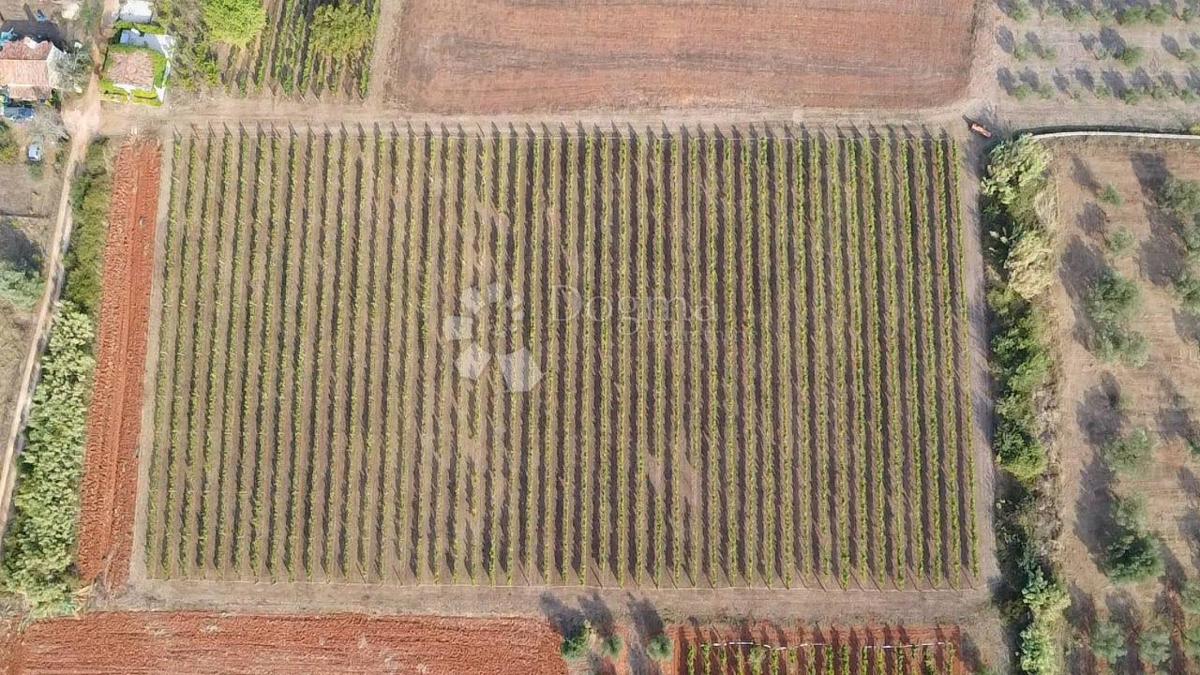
[(1191, 642), (1130, 452), (1187, 287), (19, 288), (1022, 91), (40, 544), (575, 644), (659, 648), (85, 255), (1045, 601), (611, 646), (1076, 14), (234, 22), (1108, 643), (1103, 14), (1133, 553), (9, 148), (341, 29), (1111, 196), (1181, 198), (1131, 55), (1119, 242)]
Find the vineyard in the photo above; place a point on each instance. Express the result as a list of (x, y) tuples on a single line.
[(664, 359), (283, 61), (876, 650)]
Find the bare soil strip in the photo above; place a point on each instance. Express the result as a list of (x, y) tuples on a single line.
[(159, 642), (114, 419)]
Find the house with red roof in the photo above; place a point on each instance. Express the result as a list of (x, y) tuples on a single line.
[(28, 69)]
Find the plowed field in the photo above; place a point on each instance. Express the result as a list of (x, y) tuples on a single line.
[(489, 56), (194, 642), (110, 461)]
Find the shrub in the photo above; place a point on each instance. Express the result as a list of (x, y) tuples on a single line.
[(1022, 91), (40, 544), (1045, 600), (1119, 242), (1191, 642), (1132, 16), (341, 29), (1112, 300), (1111, 196), (1131, 55), (234, 22), (1019, 10), (1103, 14), (611, 646), (1188, 55), (1108, 642), (575, 644), (1187, 287), (659, 648), (1076, 14), (1130, 452), (1154, 645), (1159, 14), (1189, 597)]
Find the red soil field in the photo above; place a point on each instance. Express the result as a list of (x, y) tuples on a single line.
[(497, 56), (114, 419), (157, 642)]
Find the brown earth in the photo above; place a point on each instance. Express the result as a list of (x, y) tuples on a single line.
[(499, 56), (110, 460), (156, 642), (1160, 397)]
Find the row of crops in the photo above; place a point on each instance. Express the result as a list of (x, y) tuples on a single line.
[(876, 651), (283, 60), (745, 359)]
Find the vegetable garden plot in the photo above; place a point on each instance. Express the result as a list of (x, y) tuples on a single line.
[(648, 359)]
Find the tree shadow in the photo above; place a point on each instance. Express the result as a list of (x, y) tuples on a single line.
[(1094, 505), (17, 250), (1111, 40), (598, 614), (1122, 610), (563, 619), (1082, 267), (1081, 615), (1085, 79), (1006, 79), (1174, 419), (1093, 220), (1082, 174), (1005, 39), (1099, 414), (1161, 258), (1171, 45)]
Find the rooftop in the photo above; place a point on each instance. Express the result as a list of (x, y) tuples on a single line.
[(131, 68)]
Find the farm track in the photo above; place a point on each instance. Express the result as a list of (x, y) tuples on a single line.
[(309, 402), (110, 459)]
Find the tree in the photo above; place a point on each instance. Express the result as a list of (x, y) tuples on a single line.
[(659, 648), (341, 29), (1189, 598), (1108, 644), (1191, 642), (73, 70), (234, 22), (1180, 197), (1133, 553), (1129, 452), (1154, 645)]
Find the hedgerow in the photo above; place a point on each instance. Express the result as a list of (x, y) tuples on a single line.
[(1016, 202), (40, 544)]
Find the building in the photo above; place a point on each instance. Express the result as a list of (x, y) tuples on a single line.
[(134, 74), (28, 68)]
